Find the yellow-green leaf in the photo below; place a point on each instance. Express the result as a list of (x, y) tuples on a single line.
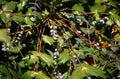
[(41, 75), (78, 7), (27, 75), (28, 21), (48, 39), (83, 70), (4, 36)]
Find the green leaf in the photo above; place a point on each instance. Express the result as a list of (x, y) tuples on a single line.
[(105, 51), (85, 52), (21, 4), (78, 7), (4, 70), (4, 36), (70, 34), (22, 64), (48, 39), (28, 21), (113, 3), (64, 57), (117, 22), (115, 17), (35, 75), (31, 59), (13, 73), (87, 30), (5, 17), (114, 48), (41, 75), (46, 59), (15, 49), (29, 12), (61, 41), (18, 19), (83, 70), (109, 22), (10, 6), (65, 75), (96, 7), (45, 12), (97, 2)]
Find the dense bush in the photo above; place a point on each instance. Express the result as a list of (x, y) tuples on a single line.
[(59, 39)]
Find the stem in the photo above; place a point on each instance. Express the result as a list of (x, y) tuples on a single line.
[(70, 50)]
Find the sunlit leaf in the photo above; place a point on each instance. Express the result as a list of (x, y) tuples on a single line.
[(41, 75), (97, 2), (4, 36), (27, 75), (28, 21), (83, 70), (117, 37), (33, 74), (48, 39)]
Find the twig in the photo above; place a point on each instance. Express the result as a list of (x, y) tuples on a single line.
[(70, 50), (15, 14)]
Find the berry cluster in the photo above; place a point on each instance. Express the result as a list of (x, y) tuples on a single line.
[(79, 19), (100, 23), (17, 39), (5, 46), (53, 31), (56, 73)]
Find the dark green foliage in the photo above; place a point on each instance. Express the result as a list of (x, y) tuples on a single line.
[(59, 39)]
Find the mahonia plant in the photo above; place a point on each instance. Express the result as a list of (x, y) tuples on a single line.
[(59, 39)]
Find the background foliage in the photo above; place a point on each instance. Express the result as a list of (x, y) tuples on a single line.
[(59, 39)]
